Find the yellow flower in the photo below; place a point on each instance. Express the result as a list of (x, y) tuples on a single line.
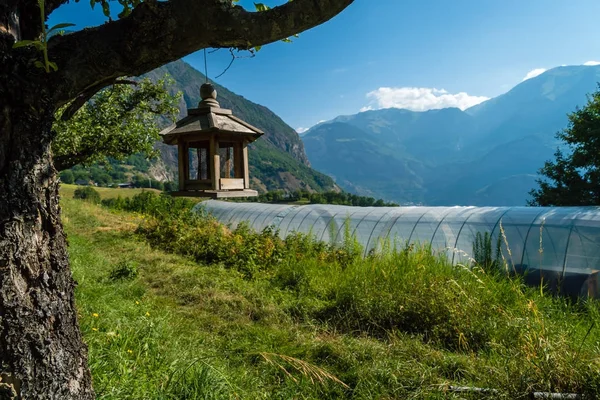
[(147, 314), (137, 302), (130, 352), (95, 329), (95, 315)]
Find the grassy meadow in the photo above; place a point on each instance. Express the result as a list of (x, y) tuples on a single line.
[(67, 191), (180, 307)]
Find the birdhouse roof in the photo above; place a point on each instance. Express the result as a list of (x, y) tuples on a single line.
[(210, 118)]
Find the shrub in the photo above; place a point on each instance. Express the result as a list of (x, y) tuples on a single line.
[(87, 193), (125, 270), (151, 204), (67, 176)]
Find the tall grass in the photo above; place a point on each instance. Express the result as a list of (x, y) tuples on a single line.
[(297, 318)]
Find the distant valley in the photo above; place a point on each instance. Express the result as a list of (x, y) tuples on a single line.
[(488, 154)]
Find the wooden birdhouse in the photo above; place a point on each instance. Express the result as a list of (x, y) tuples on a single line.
[(213, 150)]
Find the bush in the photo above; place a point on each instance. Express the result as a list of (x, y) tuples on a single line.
[(67, 176), (151, 204), (125, 270), (87, 193), (170, 186)]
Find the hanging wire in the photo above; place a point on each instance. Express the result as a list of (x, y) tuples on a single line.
[(205, 67)]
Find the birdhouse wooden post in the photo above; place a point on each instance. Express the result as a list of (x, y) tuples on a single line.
[(213, 150)]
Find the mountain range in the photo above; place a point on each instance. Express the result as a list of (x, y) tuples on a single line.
[(488, 154)]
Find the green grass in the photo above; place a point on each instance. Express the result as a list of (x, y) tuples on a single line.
[(250, 317), (67, 191)]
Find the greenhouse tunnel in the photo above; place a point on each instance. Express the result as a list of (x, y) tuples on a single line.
[(557, 245)]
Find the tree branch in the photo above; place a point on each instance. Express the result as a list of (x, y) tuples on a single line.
[(62, 162), (51, 5), (156, 33), (80, 100)]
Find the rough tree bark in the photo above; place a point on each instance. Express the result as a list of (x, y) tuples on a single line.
[(42, 355), (41, 351)]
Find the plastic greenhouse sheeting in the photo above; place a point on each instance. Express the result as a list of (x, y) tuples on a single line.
[(557, 245)]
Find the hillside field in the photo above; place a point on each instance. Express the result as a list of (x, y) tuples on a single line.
[(307, 321)]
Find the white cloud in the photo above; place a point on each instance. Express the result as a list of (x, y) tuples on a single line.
[(420, 99), (301, 130), (591, 63), (533, 73)]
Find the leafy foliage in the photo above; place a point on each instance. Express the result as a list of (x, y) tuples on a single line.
[(67, 176), (42, 43), (573, 178), (328, 197), (151, 204), (125, 270), (87, 193), (119, 121), (484, 254)]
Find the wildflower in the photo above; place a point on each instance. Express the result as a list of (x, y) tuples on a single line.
[(95, 329), (147, 314), (95, 315), (137, 302), (129, 351)]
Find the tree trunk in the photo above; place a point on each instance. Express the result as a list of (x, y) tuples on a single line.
[(42, 355)]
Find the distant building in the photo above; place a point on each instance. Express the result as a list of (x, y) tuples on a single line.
[(126, 185), (82, 182)]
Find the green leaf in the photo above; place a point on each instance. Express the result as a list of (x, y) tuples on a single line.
[(261, 7), (53, 65), (126, 11), (60, 26), (24, 43), (106, 8), (118, 121), (39, 64), (257, 48)]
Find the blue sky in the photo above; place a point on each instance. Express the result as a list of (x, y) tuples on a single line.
[(417, 54)]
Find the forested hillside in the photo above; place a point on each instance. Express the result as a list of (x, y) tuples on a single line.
[(277, 160)]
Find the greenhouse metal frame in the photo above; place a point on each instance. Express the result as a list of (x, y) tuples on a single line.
[(556, 245)]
